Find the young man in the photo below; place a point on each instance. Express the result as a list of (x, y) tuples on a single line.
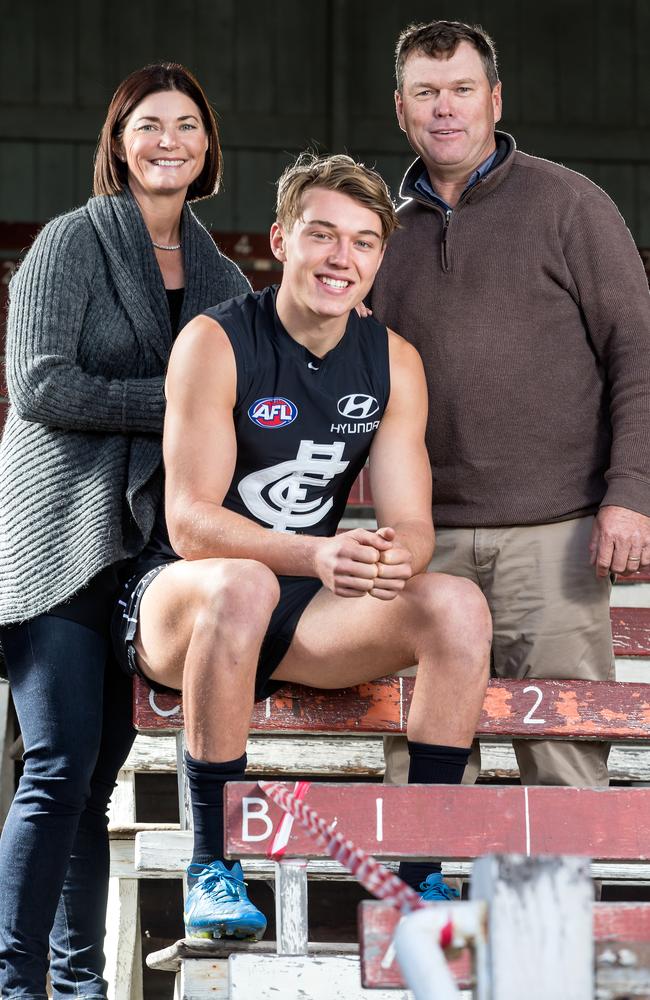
[(275, 400)]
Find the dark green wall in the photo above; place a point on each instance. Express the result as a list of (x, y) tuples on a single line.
[(284, 74)]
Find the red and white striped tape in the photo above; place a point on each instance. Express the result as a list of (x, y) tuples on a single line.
[(283, 832), (372, 875)]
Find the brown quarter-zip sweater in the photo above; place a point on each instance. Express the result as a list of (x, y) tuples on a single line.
[(530, 308)]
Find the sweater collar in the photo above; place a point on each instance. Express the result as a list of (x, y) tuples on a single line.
[(129, 252), (506, 147)]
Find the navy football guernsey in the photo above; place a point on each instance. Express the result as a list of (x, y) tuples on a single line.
[(304, 424)]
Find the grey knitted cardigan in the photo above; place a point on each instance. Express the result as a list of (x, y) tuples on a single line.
[(88, 340)]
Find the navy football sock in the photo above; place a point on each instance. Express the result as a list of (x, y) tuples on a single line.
[(431, 764), (206, 782)]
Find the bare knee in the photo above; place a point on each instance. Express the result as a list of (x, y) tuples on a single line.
[(237, 598), (452, 612)]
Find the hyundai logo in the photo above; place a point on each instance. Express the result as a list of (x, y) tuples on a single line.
[(357, 406)]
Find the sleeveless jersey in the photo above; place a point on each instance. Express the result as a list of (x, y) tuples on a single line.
[(304, 424)]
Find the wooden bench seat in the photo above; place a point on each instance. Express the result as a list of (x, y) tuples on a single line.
[(590, 710)]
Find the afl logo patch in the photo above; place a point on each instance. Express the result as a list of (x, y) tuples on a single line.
[(273, 412), (357, 406)]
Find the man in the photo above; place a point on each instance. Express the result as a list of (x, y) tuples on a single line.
[(519, 284), (274, 402)]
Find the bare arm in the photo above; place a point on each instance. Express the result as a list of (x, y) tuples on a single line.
[(400, 472), (200, 450)]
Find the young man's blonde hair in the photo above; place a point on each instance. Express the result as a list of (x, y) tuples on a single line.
[(334, 173)]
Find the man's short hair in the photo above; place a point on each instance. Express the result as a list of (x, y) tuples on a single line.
[(334, 173), (440, 39)]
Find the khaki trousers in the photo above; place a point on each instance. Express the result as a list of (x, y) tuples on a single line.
[(551, 620)]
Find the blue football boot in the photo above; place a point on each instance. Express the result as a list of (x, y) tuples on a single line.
[(434, 887), (217, 905)]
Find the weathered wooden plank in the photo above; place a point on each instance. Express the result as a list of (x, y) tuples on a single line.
[(267, 977), (167, 854), (169, 959), (7, 764), (529, 709), (358, 756), (291, 915), (202, 979), (614, 923), (631, 631), (623, 971), (452, 821), (123, 946)]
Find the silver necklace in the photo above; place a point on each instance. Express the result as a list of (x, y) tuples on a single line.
[(161, 246)]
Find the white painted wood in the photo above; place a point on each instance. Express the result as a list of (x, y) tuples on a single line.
[(630, 595), (121, 810), (626, 762), (123, 859), (167, 854), (7, 767), (634, 670), (184, 801), (203, 979), (359, 756), (271, 977), (540, 927), (291, 916), (122, 945)]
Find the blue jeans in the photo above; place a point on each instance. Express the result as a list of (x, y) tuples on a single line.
[(74, 708)]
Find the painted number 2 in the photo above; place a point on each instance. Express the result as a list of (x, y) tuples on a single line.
[(529, 717)]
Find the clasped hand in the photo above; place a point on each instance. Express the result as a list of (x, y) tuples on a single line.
[(360, 562)]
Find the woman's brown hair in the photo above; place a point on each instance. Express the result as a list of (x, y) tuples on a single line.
[(110, 176)]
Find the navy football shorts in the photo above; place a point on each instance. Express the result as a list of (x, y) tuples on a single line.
[(295, 594)]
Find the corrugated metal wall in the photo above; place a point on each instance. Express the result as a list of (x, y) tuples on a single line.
[(284, 74)]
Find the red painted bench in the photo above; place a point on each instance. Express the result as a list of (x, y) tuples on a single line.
[(587, 710), (448, 821), (616, 925)]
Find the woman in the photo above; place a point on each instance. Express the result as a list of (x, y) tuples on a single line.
[(93, 312)]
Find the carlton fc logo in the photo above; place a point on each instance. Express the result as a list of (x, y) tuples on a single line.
[(273, 412), (357, 406)]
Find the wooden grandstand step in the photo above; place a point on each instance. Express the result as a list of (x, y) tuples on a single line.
[(617, 926), (451, 821), (596, 710), (356, 757), (167, 854)]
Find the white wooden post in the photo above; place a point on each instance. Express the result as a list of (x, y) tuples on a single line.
[(123, 947), (184, 801), (291, 918), (540, 941), (7, 765)]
